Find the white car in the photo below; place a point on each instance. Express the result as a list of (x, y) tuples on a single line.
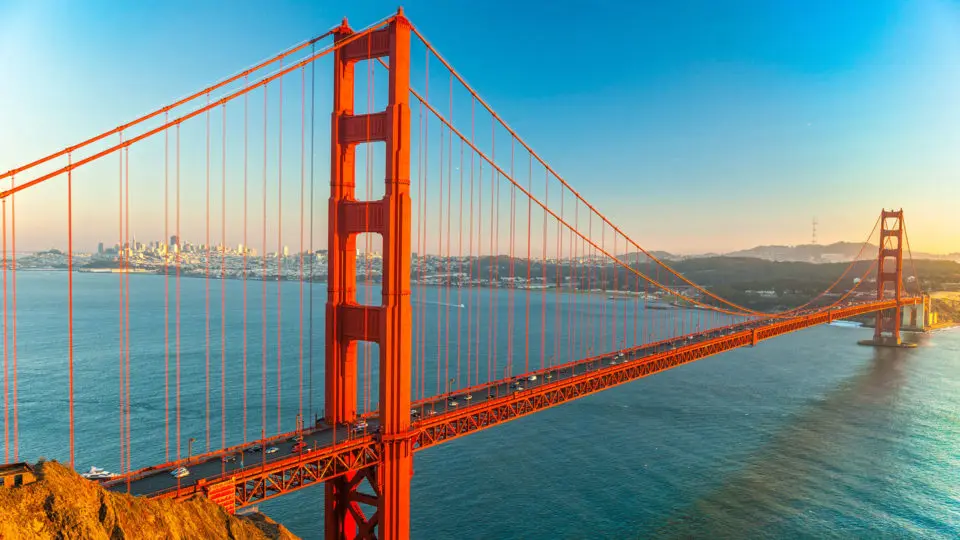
[(360, 426), (532, 378), (180, 472), (272, 450)]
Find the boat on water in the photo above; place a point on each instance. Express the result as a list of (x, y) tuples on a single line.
[(96, 473), (846, 324)]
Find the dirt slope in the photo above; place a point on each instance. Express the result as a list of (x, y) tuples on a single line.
[(64, 505)]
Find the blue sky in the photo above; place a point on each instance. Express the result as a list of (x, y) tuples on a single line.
[(695, 125)]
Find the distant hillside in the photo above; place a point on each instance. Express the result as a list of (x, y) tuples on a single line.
[(838, 252), (662, 255)]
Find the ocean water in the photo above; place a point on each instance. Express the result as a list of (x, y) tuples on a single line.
[(805, 436)]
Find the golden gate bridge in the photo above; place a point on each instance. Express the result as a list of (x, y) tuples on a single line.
[(467, 208)]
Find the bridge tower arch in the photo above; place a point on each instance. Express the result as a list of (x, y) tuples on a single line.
[(388, 325), (890, 277)]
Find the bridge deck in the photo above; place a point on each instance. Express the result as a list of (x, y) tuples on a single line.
[(255, 476)]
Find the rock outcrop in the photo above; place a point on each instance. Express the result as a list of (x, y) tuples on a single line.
[(61, 504)]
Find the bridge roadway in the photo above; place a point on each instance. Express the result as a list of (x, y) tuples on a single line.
[(331, 451)]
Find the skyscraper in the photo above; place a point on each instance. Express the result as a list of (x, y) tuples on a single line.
[(100, 248)]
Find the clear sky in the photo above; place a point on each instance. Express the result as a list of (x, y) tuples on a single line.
[(696, 125)]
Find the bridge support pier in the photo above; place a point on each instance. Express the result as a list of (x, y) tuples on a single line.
[(388, 325)]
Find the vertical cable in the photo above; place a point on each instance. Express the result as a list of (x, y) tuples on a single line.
[(494, 274), (439, 255), (121, 255), (126, 297), (460, 277), (526, 332), (166, 291), (558, 309), (446, 338), (418, 316), (70, 295), (13, 307), (471, 275), (543, 271), (280, 253), (246, 250), (263, 281), (206, 286), (510, 251), (6, 348), (303, 132), (223, 281), (476, 358), (177, 261), (313, 86)]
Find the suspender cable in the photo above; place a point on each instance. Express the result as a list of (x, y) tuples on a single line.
[(121, 254), (126, 296), (263, 288), (223, 282), (6, 348), (206, 286), (166, 293), (70, 299), (303, 138), (13, 307), (177, 261), (313, 87), (526, 331), (280, 254), (246, 249)]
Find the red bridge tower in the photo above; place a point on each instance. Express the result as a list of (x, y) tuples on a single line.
[(890, 276), (388, 325)]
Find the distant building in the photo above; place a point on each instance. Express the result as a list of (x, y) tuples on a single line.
[(174, 241), (286, 251), (100, 248), (16, 474)]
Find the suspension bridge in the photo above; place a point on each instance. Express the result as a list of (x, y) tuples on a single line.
[(461, 292)]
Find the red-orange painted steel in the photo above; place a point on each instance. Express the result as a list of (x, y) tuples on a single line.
[(388, 325), (349, 459), (395, 330), (890, 254), (341, 352)]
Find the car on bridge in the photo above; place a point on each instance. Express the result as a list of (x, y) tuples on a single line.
[(180, 472), (299, 447)]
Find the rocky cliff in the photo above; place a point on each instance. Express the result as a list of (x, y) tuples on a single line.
[(61, 504)]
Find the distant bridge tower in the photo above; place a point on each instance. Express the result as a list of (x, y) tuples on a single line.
[(890, 277), (387, 325)]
